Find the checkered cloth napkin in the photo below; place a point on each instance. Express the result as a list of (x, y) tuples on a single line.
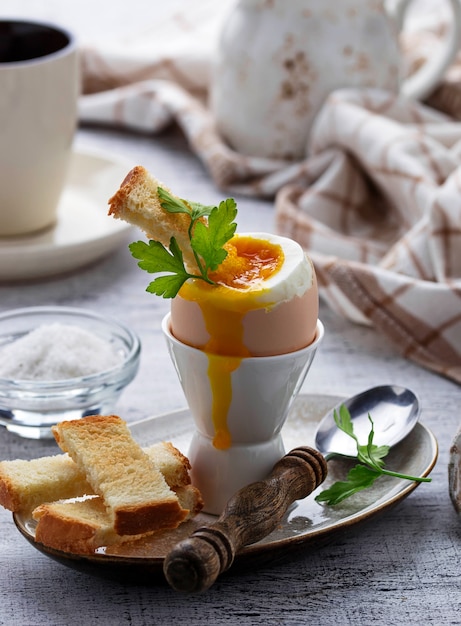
[(376, 202)]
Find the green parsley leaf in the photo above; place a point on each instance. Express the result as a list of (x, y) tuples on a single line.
[(368, 453), (200, 210), (372, 454), (167, 286), (370, 467), (171, 203), (344, 422), (208, 240), (358, 478), (178, 205), (154, 258)]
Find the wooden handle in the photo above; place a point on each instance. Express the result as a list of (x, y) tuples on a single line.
[(251, 514)]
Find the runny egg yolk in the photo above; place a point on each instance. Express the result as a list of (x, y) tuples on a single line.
[(239, 280)]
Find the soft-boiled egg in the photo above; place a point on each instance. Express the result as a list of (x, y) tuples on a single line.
[(264, 302)]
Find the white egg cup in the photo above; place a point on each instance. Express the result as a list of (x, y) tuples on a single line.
[(263, 389)]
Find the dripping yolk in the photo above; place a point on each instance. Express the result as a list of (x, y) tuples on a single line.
[(238, 282)]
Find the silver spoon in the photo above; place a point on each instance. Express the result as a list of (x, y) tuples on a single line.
[(393, 409)]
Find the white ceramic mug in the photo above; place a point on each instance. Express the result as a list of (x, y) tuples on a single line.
[(263, 390), (277, 62), (39, 89)]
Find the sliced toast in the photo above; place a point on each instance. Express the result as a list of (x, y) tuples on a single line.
[(134, 492)]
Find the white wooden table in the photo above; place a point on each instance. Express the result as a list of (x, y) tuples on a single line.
[(402, 568)]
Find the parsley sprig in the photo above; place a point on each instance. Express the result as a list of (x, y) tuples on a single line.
[(370, 466), (206, 239)]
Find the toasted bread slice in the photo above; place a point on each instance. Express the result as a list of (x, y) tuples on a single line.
[(26, 484), (78, 526), (83, 525), (170, 462), (135, 493), (137, 202)]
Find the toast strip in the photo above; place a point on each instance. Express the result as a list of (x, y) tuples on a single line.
[(24, 485), (134, 492), (137, 202), (82, 526)]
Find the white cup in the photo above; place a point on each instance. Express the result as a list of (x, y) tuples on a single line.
[(39, 89), (263, 389)]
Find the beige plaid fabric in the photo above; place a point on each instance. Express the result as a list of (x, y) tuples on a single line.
[(376, 203)]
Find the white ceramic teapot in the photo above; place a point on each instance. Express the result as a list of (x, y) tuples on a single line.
[(279, 59)]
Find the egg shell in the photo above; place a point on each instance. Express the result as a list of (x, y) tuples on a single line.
[(286, 327)]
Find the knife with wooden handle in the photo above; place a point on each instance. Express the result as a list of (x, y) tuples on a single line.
[(251, 514)]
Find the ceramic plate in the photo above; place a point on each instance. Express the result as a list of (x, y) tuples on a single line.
[(306, 525), (83, 232)]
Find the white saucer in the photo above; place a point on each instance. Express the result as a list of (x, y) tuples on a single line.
[(83, 232)]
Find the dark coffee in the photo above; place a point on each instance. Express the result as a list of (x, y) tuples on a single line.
[(22, 41)]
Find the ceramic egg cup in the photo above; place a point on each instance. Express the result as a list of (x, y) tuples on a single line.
[(263, 389)]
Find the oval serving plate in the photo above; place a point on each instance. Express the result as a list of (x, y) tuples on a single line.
[(306, 524)]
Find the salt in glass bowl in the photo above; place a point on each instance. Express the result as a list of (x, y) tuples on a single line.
[(30, 407)]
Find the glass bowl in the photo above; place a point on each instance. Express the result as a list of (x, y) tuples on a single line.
[(29, 407)]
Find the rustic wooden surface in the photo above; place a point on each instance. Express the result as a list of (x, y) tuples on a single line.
[(402, 568)]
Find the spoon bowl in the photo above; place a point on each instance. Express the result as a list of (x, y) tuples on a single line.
[(393, 409)]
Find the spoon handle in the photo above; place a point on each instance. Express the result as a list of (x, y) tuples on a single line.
[(251, 514)]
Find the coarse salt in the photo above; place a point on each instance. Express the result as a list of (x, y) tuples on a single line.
[(56, 352)]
